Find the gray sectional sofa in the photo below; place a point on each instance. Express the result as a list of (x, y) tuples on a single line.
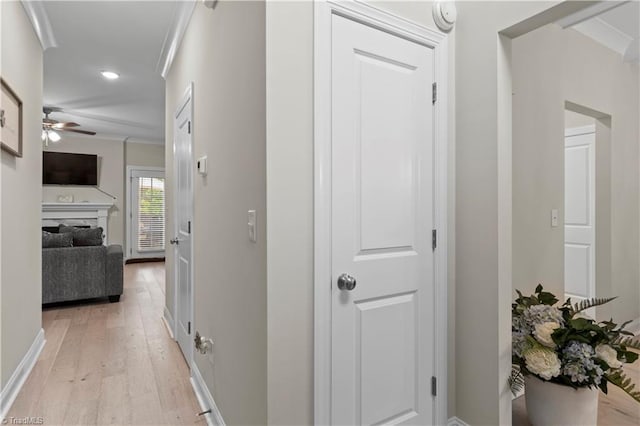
[(85, 272)]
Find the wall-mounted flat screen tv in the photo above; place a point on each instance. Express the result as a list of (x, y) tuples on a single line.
[(62, 168)]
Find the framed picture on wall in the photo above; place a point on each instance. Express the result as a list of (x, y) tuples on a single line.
[(10, 120)]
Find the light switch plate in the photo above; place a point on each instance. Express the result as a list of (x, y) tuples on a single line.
[(251, 223), (201, 164), (554, 218)]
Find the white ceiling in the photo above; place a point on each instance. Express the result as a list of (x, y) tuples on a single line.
[(617, 27), (125, 37), (625, 18), (128, 37)]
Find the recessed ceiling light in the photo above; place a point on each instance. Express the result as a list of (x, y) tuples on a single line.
[(110, 75)]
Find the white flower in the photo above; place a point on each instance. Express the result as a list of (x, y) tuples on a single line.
[(544, 363), (608, 355), (544, 331)]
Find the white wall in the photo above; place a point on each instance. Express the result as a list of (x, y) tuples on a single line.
[(21, 277), (290, 204), (483, 203), (552, 66), (223, 54), (110, 154), (143, 154), (574, 119)]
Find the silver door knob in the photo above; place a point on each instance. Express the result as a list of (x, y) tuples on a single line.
[(346, 282), (174, 241)]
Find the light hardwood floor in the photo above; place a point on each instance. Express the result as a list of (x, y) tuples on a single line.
[(614, 409), (111, 363)]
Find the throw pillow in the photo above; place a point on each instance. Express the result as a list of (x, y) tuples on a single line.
[(50, 240), (83, 236)]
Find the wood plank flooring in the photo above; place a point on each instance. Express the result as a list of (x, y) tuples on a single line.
[(614, 409), (111, 363), (114, 363)]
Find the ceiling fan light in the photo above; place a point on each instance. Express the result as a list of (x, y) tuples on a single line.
[(51, 136), (54, 136), (110, 75)]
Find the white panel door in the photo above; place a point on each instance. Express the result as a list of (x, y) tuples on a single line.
[(382, 217), (183, 222), (579, 207)]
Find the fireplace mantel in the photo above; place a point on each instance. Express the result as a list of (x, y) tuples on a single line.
[(92, 214)]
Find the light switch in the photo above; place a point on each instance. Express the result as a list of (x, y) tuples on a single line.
[(554, 218), (201, 164), (251, 223)]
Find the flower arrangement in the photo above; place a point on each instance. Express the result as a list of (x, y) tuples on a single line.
[(564, 346)]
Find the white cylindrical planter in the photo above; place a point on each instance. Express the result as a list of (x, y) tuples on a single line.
[(552, 404)]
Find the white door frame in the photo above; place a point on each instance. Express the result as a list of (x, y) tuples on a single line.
[(393, 24), (186, 102), (129, 209)]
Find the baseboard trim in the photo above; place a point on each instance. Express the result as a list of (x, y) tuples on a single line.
[(454, 421), (634, 326), (131, 260), (214, 418), (167, 319), (16, 381)]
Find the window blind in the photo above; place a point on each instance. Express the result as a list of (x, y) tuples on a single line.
[(150, 214)]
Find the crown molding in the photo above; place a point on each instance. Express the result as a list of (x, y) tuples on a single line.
[(174, 36), (40, 21), (144, 141), (107, 137)]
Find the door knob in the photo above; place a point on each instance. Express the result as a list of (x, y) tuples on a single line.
[(346, 282), (174, 241)]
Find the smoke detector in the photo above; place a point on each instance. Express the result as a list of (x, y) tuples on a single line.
[(444, 14)]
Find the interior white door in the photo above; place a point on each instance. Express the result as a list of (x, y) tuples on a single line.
[(382, 219), (183, 174), (579, 207)]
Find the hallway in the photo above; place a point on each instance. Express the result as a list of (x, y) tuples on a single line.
[(111, 363)]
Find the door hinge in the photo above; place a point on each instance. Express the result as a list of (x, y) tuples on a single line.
[(189, 327), (434, 239), (434, 386), (434, 93), (189, 127), (189, 227)]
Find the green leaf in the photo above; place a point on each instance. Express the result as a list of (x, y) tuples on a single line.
[(628, 342), (619, 379), (538, 288), (578, 338), (516, 379), (547, 298), (590, 303), (603, 386), (579, 323), (630, 357)]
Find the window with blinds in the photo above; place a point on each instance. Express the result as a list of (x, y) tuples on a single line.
[(150, 214)]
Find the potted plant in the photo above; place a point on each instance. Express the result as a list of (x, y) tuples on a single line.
[(562, 356)]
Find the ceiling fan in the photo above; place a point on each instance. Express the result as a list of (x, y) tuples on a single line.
[(50, 127)]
